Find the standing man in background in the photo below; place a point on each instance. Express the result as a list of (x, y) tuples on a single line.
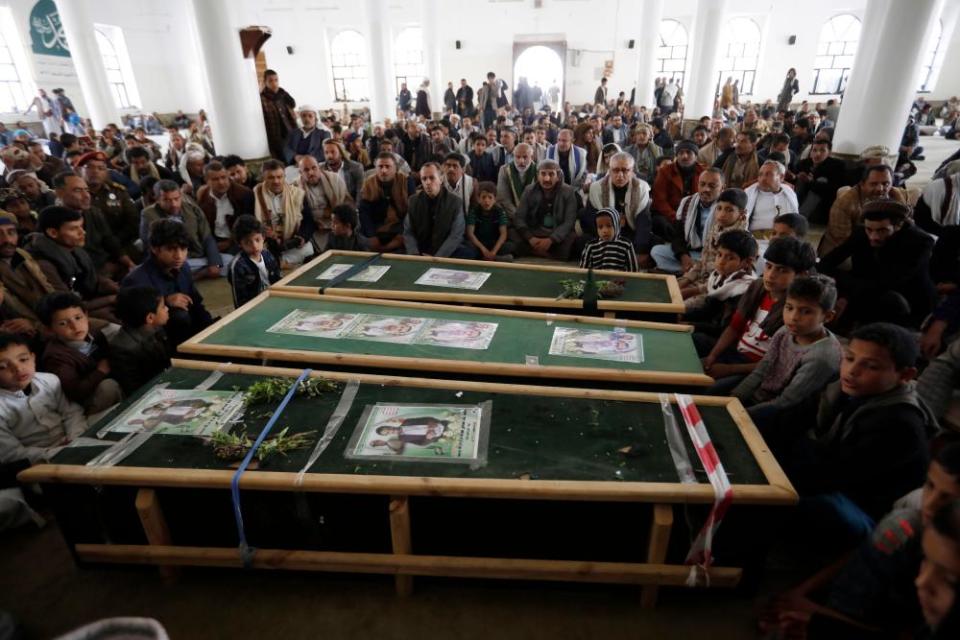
[(449, 99), (49, 112), (487, 99), (278, 113), (600, 97), (667, 97), (464, 99), (423, 107), (404, 98)]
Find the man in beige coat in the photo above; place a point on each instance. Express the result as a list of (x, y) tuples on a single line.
[(876, 183), (323, 190)]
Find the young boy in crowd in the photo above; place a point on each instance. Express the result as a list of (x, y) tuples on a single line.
[(345, 227), (78, 356), (874, 589), (869, 445), (728, 214), (785, 225), (482, 166), (254, 269), (746, 339), (803, 358), (732, 275), (487, 224), (163, 270), (140, 350), (790, 224), (36, 418), (609, 252)]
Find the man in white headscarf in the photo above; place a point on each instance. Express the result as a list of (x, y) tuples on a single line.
[(306, 140), (621, 190)]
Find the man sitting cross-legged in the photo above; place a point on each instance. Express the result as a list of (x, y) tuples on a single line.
[(283, 210)]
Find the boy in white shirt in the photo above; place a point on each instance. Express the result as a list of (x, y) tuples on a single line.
[(36, 419)]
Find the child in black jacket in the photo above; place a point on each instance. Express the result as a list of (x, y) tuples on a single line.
[(346, 234), (140, 350), (869, 445), (254, 269)]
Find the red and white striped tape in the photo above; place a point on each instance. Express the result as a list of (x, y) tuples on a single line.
[(700, 555)]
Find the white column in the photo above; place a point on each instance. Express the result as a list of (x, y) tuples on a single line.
[(882, 86), (431, 52), (701, 87), (81, 36), (866, 50), (379, 50), (649, 40), (233, 93)]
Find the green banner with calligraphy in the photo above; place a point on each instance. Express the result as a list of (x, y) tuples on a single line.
[(46, 32)]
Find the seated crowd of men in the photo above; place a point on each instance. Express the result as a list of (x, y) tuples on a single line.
[(110, 238)]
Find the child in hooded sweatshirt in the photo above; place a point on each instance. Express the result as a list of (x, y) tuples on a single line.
[(609, 252), (730, 213)]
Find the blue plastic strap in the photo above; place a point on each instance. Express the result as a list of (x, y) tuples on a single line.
[(246, 552)]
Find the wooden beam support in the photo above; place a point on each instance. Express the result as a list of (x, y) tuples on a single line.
[(390, 563), (155, 527), (400, 538), (660, 528)]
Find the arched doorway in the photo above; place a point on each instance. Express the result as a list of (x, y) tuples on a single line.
[(541, 65)]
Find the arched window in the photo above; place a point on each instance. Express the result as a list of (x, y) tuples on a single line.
[(13, 97), (931, 65), (672, 50), (408, 58), (348, 59), (835, 52), (740, 53), (116, 62)]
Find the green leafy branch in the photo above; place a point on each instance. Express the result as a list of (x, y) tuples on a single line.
[(573, 289), (234, 446), (270, 390)]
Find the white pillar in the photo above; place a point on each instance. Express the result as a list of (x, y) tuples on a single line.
[(649, 40), (81, 36), (866, 50), (379, 50), (701, 87), (882, 86), (236, 117), (431, 52)]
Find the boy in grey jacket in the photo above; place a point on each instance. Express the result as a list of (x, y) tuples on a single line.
[(803, 358)]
